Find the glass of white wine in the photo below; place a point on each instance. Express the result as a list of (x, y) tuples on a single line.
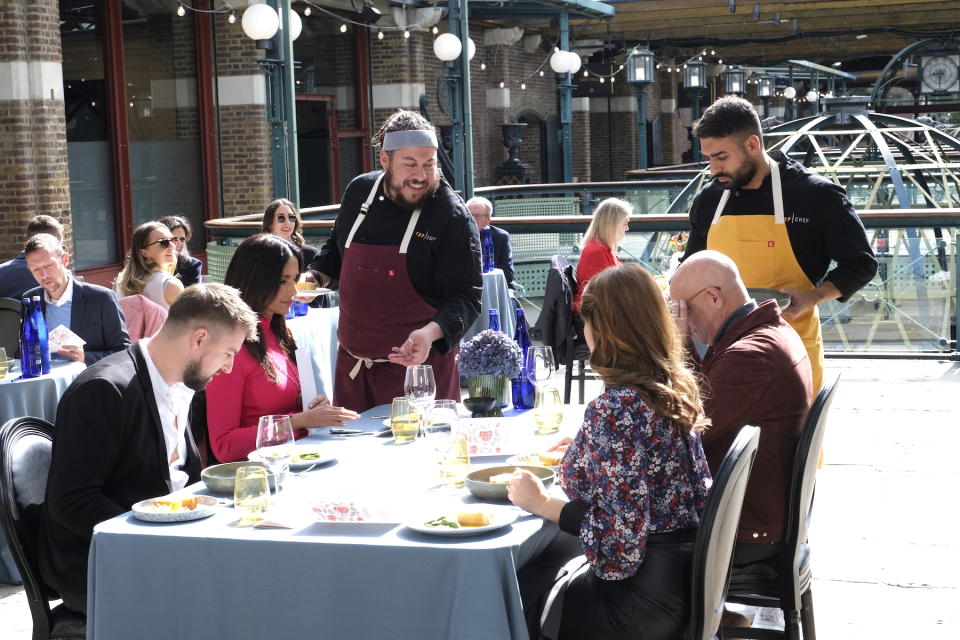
[(275, 443), (548, 411), (441, 430), (404, 420), (251, 494)]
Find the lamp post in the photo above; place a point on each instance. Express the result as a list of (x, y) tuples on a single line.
[(734, 81), (640, 73), (765, 92), (789, 93), (448, 47), (695, 81)]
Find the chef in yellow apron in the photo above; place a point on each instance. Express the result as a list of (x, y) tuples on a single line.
[(760, 246)]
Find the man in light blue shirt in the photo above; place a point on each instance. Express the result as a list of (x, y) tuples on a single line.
[(88, 310)]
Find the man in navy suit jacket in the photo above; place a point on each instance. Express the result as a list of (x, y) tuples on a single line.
[(88, 310), (481, 209), (15, 276)]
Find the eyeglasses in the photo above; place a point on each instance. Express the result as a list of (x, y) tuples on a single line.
[(163, 242), (282, 218), (690, 298)]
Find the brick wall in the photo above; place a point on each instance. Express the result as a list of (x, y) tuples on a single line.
[(33, 153)]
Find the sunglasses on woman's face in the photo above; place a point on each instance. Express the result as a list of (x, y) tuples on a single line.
[(163, 242), (282, 218)]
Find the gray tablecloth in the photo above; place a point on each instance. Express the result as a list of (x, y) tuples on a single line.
[(36, 397), (496, 295), (205, 579)]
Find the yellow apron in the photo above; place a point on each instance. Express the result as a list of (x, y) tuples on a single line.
[(760, 245)]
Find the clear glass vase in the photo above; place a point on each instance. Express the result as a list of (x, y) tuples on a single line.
[(495, 385)]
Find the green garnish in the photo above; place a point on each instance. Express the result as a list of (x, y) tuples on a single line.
[(442, 522), (309, 456)]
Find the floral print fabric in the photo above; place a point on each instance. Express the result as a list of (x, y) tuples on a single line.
[(638, 474)]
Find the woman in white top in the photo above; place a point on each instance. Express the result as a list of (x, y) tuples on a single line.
[(149, 267)]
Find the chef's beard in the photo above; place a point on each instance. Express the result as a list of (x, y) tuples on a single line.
[(741, 176), (394, 190)]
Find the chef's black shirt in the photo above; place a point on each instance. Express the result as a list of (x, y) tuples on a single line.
[(443, 259), (821, 223)]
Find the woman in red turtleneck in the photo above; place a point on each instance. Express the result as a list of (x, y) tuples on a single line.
[(264, 379), (600, 242)]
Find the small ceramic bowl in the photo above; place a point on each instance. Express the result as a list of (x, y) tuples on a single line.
[(221, 478), (478, 482), (479, 405)]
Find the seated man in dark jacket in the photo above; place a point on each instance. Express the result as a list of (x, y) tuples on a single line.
[(88, 310), (482, 210), (15, 276), (757, 372)]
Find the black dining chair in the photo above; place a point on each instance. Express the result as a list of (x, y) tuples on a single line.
[(25, 449), (10, 325), (713, 548), (784, 581)]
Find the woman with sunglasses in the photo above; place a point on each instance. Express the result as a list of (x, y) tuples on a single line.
[(188, 268), (635, 474), (149, 266), (264, 379), (282, 219)]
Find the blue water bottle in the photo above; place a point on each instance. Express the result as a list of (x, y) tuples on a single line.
[(494, 319), (41, 323), (31, 363), (523, 391), (486, 245)]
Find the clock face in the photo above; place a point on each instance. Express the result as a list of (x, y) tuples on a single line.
[(939, 74)]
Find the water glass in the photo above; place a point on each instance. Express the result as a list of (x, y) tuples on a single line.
[(251, 493), (404, 420), (275, 443), (540, 365), (548, 411), (440, 426), (420, 386)]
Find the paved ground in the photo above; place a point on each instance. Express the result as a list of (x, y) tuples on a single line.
[(886, 558)]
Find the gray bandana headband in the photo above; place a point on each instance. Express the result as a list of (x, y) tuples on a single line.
[(393, 140)]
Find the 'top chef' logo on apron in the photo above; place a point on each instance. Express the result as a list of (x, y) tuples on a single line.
[(425, 236), (797, 219)]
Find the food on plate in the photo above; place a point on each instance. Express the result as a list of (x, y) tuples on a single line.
[(474, 518), (502, 478), (551, 458), (442, 521), (306, 286), (305, 457), (169, 505)]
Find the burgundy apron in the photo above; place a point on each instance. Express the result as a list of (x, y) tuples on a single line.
[(378, 309)]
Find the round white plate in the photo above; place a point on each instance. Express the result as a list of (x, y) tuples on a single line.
[(501, 518), (530, 459), (298, 463), (145, 510), (311, 293)]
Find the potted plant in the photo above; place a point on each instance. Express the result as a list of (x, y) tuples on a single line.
[(488, 360)]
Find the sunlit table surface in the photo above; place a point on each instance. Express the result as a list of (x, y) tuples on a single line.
[(211, 579)]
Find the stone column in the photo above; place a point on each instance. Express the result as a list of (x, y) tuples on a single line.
[(34, 176)]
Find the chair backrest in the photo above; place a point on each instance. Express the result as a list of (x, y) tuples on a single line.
[(804, 478), (143, 316), (10, 325), (25, 449), (713, 549)]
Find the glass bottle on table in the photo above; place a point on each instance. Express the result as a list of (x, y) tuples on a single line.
[(494, 320), (31, 363), (521, 387), (486, 246), (42, 335)]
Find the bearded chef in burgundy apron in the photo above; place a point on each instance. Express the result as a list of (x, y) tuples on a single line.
[(379, 308)]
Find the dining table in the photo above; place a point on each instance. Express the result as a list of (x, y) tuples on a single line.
[(372, 574), (38, 398)]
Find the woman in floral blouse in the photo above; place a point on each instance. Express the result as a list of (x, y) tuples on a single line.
[(635, 474)]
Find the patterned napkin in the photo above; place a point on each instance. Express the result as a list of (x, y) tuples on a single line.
[(486, 436)]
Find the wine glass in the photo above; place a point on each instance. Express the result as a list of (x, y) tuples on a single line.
[(404, 420), (251, 493), (275, 443), (539, 366), (420, 387), (441, 425)]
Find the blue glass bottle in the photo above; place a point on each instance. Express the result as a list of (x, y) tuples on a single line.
[(31, 363), (41, 324), (523, 391), (486, 246), (494, 319)]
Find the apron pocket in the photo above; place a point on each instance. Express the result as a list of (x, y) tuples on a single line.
[(758, 264)]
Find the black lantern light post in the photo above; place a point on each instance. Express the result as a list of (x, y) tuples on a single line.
[(765, 93), (734, 81), (640, 73), (695, 82)]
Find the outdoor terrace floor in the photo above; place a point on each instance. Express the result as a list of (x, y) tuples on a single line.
[(886, 552)]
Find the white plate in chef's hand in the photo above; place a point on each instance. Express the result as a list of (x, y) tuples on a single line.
[(312, 293), (501, 518)]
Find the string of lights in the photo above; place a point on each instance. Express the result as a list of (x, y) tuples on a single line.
[(183, 7)]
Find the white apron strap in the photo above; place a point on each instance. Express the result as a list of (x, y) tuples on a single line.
[(363, 209), (776, 188), (409, 233)]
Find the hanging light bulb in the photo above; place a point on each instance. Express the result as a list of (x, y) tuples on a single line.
[(586, 73), (523, 86), (720, 61), (703, 53), (541, 73), (232, 19), (343, 28), (659, 65), (180, 10), (435, 31), (601, 79), (713, 52), (307, 11), (406, 35), (379, 35), (612, 79), (684, 65), (502, 84), (483, 66)]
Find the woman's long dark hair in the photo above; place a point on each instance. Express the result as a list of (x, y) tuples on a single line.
[(256, 269)]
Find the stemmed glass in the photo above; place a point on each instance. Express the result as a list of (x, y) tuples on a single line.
[(251, 494), (420, 387), (539, 366), (275, 443), (440, 430)]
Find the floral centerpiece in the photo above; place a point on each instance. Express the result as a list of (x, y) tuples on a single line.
[(488, 360)]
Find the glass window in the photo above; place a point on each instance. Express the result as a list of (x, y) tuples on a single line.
[(325, 65), (88, 146), (162, 113)]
